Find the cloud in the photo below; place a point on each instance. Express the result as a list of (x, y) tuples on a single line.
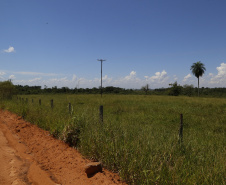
[(35, 80), (211, 74), (74, 77), (187, 77), (9, 50), (159, 77), (132, 75), (12, 77), (35, 73), (220, 78), (2, 73), (30, 82), (175, 78), (131, 80)]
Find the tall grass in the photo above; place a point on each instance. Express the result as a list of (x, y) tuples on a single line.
[(139, 135)]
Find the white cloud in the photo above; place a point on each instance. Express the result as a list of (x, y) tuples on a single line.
[(157, 80), (74, 77), (159, 77), (132, 75), (9, 50), (187, 77), (35, 80), (2, 73), (35, 73), (12, 77), (220, 78), (211, 74), (129, 81)]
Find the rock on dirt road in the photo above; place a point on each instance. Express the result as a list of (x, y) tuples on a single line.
[(29, 155)]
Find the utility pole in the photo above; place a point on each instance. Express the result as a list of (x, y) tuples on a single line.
[(101, 91)]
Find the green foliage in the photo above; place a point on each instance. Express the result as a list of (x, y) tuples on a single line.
[(72, 131), (139, 134), (145, 88), (188, 90), (7, 90), (198, 69), (175, 90)]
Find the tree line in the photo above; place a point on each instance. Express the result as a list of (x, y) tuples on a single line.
[(7, 89), (173, 90)]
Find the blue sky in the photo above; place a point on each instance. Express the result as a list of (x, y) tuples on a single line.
[(58, 42)]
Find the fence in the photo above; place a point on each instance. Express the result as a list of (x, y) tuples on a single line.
[(101, 114)]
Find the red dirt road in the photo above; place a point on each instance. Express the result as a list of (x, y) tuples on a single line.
[(29, 155)]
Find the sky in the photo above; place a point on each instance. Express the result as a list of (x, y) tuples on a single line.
[(57, 42)]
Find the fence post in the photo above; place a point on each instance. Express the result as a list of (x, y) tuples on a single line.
[(101, 113), (40, 101), (69, 108), (51, 103), (181, 129)]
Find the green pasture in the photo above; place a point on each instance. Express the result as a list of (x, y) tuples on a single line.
[(139, 134)]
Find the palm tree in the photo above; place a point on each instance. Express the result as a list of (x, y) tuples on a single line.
[(198, 69)]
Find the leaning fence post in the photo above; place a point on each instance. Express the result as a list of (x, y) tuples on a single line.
[(101, 113), (40, 101), (51, 103), (181, 129)]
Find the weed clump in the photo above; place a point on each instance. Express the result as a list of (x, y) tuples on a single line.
[(71, 132)]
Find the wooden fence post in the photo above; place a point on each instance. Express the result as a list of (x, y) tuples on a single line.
[(40, 101), (101, 113), (181, 129)]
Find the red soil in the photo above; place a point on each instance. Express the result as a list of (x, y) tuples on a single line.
[(30, 155)]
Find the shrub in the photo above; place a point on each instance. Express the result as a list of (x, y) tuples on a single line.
[(7, 90)]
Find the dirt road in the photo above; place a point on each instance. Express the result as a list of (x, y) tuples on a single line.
[(29, 155)]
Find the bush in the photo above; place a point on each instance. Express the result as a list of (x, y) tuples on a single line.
[(7, 90), (175, 90)]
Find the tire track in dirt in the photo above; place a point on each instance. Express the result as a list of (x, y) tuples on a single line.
[(29, 155)]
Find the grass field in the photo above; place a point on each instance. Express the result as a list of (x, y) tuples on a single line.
[(139, 135)]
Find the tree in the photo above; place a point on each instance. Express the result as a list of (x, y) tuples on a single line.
[(7, 90), (175, 89), (188, 90), (198, 69), (145, 88)]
